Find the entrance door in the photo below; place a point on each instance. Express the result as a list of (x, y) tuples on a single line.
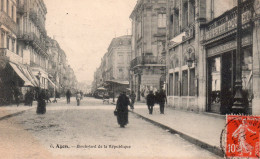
[(226, 83), (220, 83)]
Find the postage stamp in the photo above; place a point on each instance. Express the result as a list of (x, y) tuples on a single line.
[(242, 137)]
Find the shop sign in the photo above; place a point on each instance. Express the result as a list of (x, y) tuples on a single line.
[(228, 46), (231, 24)]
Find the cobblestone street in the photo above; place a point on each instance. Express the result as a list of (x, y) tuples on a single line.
[(91, 130)]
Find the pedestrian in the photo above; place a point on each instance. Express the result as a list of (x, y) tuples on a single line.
[(17, 94), (81, 94), (161, 98), (150, 100), (48, 96), (68, 95), (26, 98), (78, 98), (132, 97), (30, 98), (41, 105), (122, 109)]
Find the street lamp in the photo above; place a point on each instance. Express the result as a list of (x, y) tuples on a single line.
[(238, 106)]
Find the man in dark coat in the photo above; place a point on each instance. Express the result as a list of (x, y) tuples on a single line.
[(41, 106), (161, 98), (150, 100), (122, 109), (68, 95), (30, 98)]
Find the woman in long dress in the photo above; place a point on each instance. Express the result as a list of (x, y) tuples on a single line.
[(122, 109), (41, 106)]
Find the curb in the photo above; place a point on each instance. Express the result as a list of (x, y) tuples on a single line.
[(216, 150), (14, 114)]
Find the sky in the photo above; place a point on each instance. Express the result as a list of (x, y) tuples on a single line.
[(85, 28)]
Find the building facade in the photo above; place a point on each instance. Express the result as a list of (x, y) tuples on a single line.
[(148, 46), (113, 72), (26, 52), (201, 53)]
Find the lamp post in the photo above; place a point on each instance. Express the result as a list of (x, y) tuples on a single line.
[(238, 106)]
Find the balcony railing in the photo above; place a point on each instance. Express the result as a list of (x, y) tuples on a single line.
[(146, 60), (33, 39), (8, 21), (37, 21), (11, 55)]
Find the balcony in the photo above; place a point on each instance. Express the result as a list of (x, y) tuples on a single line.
[(37, 21), (8, 22), (13, 57), (33, 39), (147, 60)]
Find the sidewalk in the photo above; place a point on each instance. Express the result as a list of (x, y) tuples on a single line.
[(202, 129), (13, 110)]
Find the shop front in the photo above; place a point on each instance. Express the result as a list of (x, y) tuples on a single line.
[(221, 75)]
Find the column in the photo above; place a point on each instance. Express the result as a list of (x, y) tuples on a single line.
[(256, 68)]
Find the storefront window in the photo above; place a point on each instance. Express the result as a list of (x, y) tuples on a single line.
[(215, 80), (184, 83), (176, 84), (171, 84)]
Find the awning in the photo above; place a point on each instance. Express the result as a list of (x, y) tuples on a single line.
[(118, 82), (29, 76), (21, 75), (53, 84)]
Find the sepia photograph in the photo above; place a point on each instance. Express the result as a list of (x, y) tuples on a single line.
[(129, 79)]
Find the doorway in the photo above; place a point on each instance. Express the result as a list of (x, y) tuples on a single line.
[(220, 83)]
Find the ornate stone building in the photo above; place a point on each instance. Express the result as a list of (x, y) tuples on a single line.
[(148, 46), (32, 37), (201, 53)]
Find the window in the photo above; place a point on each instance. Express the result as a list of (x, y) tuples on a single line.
[(7, 7), (184, 87), (192, 88), (185, 15), (170, 84), (2, 5), (12, 14), (176, 84), (2, 39), (7, 42), (17, 49), (120, 59), (192, 12), (161, 20), (13, 42), (139, 30), (176, 22)]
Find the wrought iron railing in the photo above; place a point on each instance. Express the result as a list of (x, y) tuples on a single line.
[(142, 60)]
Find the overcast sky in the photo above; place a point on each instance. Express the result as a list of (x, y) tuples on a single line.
[(85, 28)]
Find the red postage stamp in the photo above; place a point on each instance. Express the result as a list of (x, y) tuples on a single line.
[(242, 136)]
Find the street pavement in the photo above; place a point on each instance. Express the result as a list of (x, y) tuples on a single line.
[(89, 131), (204, 129)]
